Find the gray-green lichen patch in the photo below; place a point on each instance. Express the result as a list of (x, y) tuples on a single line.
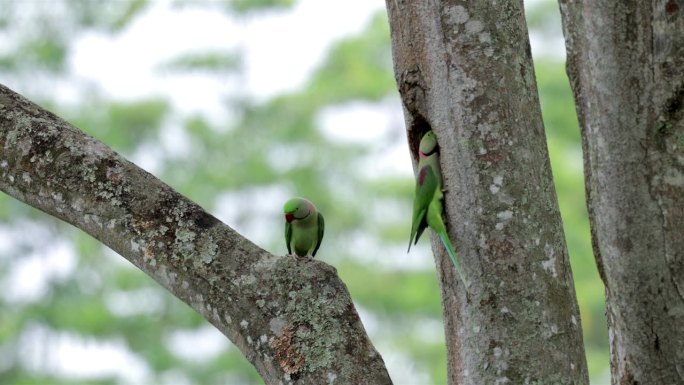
[(197, 302), (245, 280), (317, 335), (184, 235), (277, 325), (306, 331), (92, 219), (503, 217), (456, 14), (549, 265), (208, 250), (496, 184), (88, 172), (166, 277)]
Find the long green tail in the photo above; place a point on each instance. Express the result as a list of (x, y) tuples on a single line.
[(452, 254)]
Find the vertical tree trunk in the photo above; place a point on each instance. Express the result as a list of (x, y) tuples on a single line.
[(626, 65), (464, 70)]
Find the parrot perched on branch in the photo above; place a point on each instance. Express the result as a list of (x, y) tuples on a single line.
[(427, 203), (304, 227)]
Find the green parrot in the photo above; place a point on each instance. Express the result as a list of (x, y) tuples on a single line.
[(304, 227), (427, 204)]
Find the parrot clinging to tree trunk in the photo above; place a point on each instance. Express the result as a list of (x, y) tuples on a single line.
[(427, 204), (304, 227)]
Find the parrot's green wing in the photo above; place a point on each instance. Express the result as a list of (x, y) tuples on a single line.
[(288, 236), (426, 185), (321, 230)]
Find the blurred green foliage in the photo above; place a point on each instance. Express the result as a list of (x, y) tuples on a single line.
[(267, 150), (357, 67), (252, 5), (544, 17), (109, 16), (205, 61)]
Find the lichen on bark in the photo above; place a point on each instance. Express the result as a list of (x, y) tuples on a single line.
[(292, 318), (626, 67), (464, 70)]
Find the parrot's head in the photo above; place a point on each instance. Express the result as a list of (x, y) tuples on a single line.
[(428, 144), (297, 208)]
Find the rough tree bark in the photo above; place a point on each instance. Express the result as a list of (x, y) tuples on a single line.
[(626, 65), (292, 318), (464, 70)]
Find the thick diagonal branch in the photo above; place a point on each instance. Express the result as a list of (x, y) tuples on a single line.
[(292, 318)]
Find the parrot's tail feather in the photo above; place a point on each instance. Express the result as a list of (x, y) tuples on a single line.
[(452, 255)]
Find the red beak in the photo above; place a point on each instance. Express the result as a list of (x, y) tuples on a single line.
[(289, 217)]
